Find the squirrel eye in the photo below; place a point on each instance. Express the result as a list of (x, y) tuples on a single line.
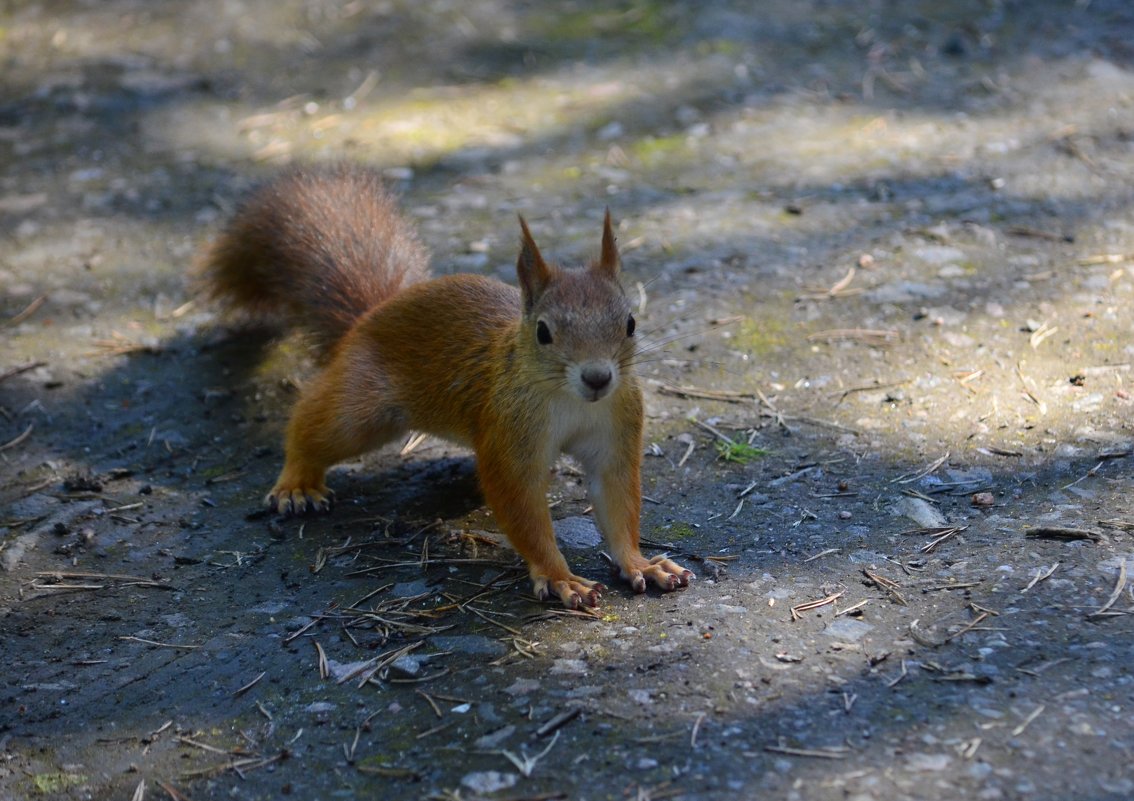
[(630, 326), (543, 333)]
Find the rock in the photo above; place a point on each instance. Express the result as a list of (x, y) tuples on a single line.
[(569, 667), (522, 687), (928, 763), (921, 512), (468, 644), (577, 532), (489, 781), (848, 629)]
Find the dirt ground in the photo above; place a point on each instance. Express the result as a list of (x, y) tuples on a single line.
[(883, 259)]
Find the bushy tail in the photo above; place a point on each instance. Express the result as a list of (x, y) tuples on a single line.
[(315, 247)]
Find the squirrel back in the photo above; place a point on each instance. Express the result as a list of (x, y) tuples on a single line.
[(316, 249)]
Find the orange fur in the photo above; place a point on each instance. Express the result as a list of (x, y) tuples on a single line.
[(520, 376)]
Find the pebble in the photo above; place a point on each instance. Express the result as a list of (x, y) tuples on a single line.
[(489, 781)]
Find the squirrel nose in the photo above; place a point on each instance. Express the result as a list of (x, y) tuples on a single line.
[(596, 378)]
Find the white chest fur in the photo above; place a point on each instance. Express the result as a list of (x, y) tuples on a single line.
[(583, 430)]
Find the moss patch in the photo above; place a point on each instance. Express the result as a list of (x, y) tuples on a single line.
[(55, 783)]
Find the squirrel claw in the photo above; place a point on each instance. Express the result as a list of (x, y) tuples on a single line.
[(574, 592), (665, 574), (297, 502)]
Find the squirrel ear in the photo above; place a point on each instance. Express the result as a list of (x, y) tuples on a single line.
[(531, 269), (609, 261)]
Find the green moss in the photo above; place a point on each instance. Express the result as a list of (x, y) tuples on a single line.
[(678, 531), (55, 783), (761, 334), (740, 452), (654, 148), (720, 47), (643, 22)]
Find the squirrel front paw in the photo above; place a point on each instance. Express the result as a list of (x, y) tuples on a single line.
[(289, 501), (666, 574), (574, 591)]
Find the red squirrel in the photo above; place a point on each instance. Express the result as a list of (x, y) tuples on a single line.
[(519, 375)]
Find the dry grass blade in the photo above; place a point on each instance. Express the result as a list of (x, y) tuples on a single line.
[(558, 721), (20, 368), (139, 581), (388, 773), (727, 396), (371, 666), (324, 667), (809, 605), (1040, 334), (869, 336), (690, 444), (526, 764), (172, 791), (431, 702), (144, 641), (1119, 585), (119, 345), (484, 616), (852, 608), (982, 615), (888, 586), (411, 444), (1040, 575), (901, 675), (940, 537), (836, 752), (842, 283), (821, 554), (713, 430), (929, 468), (956, 585), (697, 727), (1035, 713), (1116, 524), (27, 312), (18, 438), (1105, 258), (250, 684), (385, 565), (206, 747), (237, 766)]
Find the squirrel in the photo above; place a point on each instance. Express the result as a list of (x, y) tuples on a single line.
[(519, 375)]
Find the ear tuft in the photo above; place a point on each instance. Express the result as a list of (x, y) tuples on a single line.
[(531, 269), (609, 261)]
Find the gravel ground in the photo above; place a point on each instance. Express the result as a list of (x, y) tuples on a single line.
[(881, 253)]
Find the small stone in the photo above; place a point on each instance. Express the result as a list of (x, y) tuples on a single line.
[(983, 499), (643, 697), (522, 687), (489, 781), (848, 629), (929, 763), (921, 512), (569, 667)]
